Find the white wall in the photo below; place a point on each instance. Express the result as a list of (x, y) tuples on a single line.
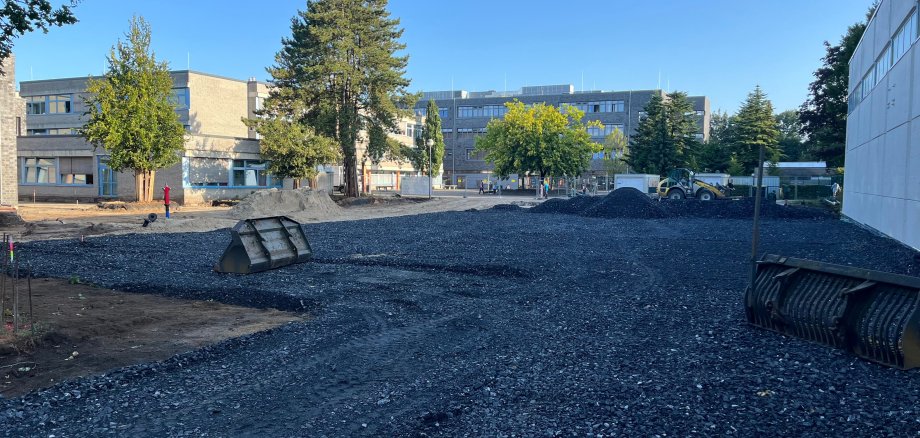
[(882, 179)]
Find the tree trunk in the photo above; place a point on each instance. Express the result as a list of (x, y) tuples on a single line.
[(351, 175), (295, 183), (143, 185)]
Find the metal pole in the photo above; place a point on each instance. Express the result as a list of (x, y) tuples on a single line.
[(430, 170), (755, 240)]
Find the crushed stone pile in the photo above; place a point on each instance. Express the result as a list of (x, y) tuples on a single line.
[(626, 203), (632, 203), (275, 202)]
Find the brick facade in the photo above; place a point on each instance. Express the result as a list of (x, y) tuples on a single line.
[(12, 116)]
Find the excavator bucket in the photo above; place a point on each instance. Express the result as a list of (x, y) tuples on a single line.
[(869, 313), (263, 244)]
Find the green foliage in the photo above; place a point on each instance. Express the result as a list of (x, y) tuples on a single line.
[(824, 113), (293, 149), (340, 66), (20, 16), (715, 155), (616, 148), (129, 111), (791, 141), (754, 126), (538, 138), (734, 166), (431, 131), (381, 146), (665, 139)]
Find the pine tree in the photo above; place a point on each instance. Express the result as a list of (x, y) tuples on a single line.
[(715, 154), (665, 138), (431, 131), (130, 114), (341, 65), (755, 126)]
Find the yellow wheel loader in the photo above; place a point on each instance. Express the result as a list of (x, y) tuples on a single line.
[(681, 184)]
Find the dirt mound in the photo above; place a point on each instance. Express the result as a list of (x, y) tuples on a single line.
[(576, 205), (506, 207), (739, 209), (378, 200), (626, 203), (275, 202)]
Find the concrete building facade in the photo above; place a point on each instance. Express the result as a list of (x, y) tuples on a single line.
[(881, 187), (12, 114), (464, 116), (221, 159)]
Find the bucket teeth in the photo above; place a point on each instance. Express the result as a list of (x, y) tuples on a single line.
[(872, 314), (264, 243)]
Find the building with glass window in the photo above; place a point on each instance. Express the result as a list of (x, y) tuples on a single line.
[(12, 112), (881, 185), (221, 158), (464, 116)]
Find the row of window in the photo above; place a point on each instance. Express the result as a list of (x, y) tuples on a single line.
[(222, 172), (607, 129), (442, 112), (56, 171), (602, 106), (63, 103), (895, 49), (494, 111), (52, 131)]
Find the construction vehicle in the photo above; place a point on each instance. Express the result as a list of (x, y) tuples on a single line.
[(681, 184)]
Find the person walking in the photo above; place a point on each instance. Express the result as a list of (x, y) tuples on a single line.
[(482, 187)]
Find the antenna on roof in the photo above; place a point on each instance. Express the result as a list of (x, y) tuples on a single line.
[(188, 60)]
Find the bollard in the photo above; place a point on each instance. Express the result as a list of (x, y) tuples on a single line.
[(166, 199)]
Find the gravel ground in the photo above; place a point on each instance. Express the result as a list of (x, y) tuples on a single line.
[(498, 323)]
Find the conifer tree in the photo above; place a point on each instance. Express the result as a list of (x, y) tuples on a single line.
[(755, 126)]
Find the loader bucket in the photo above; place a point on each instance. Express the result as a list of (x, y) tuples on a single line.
[(263, 244), (869, 313)]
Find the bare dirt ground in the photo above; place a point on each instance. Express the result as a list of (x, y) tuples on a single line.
[(84, 330), (69, 221)]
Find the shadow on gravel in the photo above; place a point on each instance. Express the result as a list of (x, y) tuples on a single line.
[(484, 270)]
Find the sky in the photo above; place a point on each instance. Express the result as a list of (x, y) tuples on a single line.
[(717, 48)]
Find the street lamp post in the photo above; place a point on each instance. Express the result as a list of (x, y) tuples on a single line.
[(430, 143)]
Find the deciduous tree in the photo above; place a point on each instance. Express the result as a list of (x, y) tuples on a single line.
[(130, 114), (292, 149), (538, 139)]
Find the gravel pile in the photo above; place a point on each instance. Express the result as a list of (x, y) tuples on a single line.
[(626, 203), (470, 324), (275, 202), (631, 203)]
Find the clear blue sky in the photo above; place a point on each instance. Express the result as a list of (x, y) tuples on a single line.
[(718, 48)]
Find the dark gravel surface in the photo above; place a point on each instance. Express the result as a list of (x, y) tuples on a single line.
[(492, 323), (631, 203)]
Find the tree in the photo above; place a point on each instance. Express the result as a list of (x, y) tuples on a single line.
[(715, 155), (538, 138), (616, 148), (340, 66), (431, 131), (754, 126), (664, 139), (130, 114), (824, 113), (292, 149), (20, 16), (791, 142)]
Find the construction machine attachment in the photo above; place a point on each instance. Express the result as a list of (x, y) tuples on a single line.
[(264, 243), (872, 314)]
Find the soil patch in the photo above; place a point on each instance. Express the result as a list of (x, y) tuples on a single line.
[(378, 200), (109, 329)]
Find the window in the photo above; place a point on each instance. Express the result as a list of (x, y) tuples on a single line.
[(39, 171), (601, 106), (601, 133), (493, 111), (883, 64), (76, 170), (421, 112), (207, 172), (904, 37), (410, 130), (444, 112), (251, 173), (180, 98), (52, 131), (51, 104), (470, 132), (898, 45), (698, 136)]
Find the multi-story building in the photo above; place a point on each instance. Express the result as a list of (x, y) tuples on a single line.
[(464, 116), (12, 111), (881, 188), (221, 158)]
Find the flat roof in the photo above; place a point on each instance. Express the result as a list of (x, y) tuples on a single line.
[(195, 72)]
